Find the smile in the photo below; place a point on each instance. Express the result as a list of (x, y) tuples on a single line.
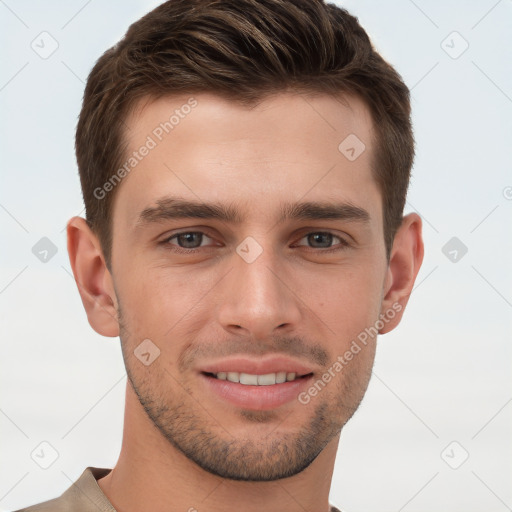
[(248, 379), (256, 391)]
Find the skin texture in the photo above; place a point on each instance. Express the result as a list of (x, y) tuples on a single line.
[(183, 446)]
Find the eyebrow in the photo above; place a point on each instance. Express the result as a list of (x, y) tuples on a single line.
[(168, 208)]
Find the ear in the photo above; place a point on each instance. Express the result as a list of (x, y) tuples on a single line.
[(92, 277), (404, 263)]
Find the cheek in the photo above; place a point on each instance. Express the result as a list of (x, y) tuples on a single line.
[(346, 300), (159, 302), (174, 303)]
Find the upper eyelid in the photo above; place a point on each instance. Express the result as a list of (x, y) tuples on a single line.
[(167, 239), (320, 232)]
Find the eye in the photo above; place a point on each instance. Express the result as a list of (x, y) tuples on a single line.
[(324, 240), (190, 241), (187, 240)]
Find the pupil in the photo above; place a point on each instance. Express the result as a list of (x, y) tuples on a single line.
[(317, 237), (188, 239)]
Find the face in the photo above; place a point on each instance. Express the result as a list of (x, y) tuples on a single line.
[(250, 251)]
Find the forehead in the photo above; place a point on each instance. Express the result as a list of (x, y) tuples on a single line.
[(288, 147)]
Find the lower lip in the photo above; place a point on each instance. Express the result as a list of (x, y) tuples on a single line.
[(257, 398)]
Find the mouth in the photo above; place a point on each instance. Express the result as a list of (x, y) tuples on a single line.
[(257, 392), (250, 379)]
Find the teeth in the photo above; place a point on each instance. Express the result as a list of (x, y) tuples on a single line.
[(233, 377), (280, 377), (248, 379), (267, 379)]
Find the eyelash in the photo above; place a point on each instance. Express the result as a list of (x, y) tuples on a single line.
[(182, 250)]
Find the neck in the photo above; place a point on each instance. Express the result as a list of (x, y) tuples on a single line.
[(151, 474)]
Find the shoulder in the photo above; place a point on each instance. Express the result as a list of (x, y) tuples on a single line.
[(54, 505), (84, 495)]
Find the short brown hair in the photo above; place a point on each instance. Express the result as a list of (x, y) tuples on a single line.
[(243, 50)]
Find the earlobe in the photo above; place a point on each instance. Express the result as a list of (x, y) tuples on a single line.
[(404, 264), (92, 277)]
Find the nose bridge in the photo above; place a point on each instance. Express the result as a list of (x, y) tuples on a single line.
[(256, 297)]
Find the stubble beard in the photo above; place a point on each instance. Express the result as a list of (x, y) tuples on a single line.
[(207, 440)]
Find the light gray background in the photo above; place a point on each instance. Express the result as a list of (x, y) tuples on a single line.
[(444, 375)]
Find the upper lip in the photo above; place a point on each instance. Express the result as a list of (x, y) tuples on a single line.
[(264, 366)]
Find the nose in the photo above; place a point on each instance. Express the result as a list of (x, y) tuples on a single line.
[(258, 298)]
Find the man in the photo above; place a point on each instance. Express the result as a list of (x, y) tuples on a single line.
[(244, 166)]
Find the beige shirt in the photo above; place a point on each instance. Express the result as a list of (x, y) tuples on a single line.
[(85, 495)]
